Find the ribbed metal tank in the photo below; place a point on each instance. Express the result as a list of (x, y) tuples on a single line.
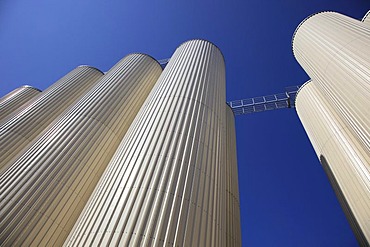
[(166, 183), (344, 158), (334, 50), (233, 233), (21, 129), (366, 18), (44, 191), (15, 99)]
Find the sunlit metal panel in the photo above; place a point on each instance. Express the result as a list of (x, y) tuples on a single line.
[(21, 129), (166, 183), (343, 156), (44, 191), (233, 233), (15, 99), (334, 50)]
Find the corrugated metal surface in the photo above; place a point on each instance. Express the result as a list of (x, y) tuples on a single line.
[(44, 191), (366, 18), (21, 129), (334, 108), (15, 99), (343, 202), (233, 233), (166, 183), (335, 52), (346, 159)]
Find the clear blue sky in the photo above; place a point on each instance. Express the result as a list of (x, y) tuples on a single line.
[(286, 199)]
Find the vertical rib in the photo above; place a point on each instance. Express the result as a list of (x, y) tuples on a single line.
[(366, 18), (21, 129), (335, 52), (166, 184), (346, 161), (233, 233), (44, 191), (15, 99)]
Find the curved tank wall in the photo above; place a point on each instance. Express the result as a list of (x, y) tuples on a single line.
[(15, 99), (44, 191), (343, 156), (233, 232), (21, 129), (334, 50), (166, 183), (366, 18)]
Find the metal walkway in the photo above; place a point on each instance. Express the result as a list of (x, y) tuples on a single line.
[(259, 104), (265, 103)]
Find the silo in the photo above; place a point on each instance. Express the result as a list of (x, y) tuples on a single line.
[(233, 233), (342, 155), (44, 191), (334, 50), (15, 99), (22, 128), (166, 183)]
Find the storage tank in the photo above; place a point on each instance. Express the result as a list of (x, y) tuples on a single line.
[(44, 191), (15, 99), (233, 233), (342, 155), (21, 129), (334, 109), (166, 184)]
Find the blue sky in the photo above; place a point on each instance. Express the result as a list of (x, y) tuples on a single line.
[(286, 199)]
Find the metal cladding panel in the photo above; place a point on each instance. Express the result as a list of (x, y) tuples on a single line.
[(366, 18), (15, 99), (166, 183), (44, 191), (347, 160), (21, 129), (233, 232), (335, 52)]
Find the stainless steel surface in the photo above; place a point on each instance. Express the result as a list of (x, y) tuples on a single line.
[(44, 191)]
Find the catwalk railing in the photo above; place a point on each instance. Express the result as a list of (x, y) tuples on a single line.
[(259, 104), (265, 103)]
